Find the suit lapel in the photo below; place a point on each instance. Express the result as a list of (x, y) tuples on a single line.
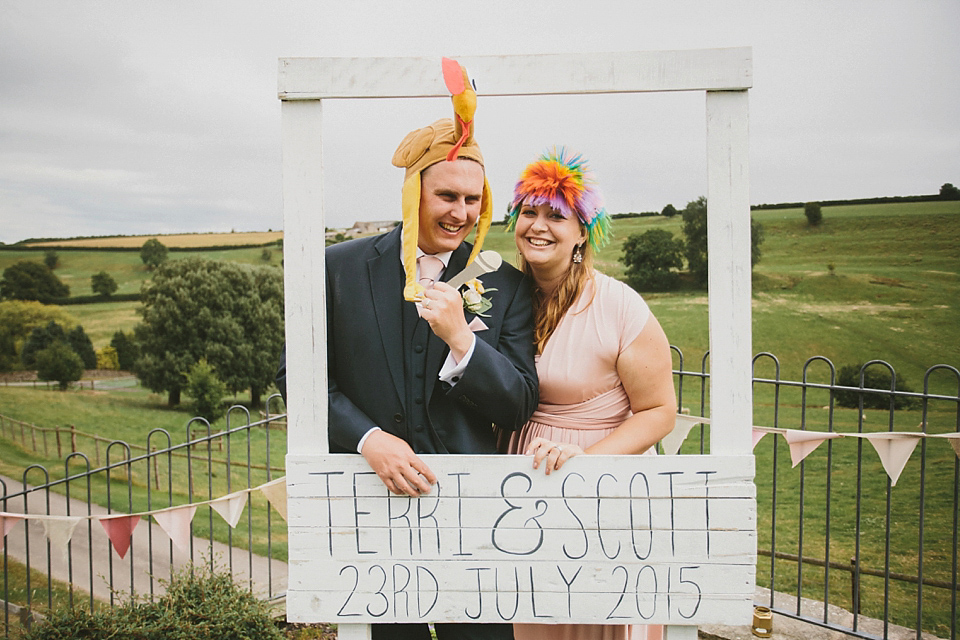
[(386, 286)]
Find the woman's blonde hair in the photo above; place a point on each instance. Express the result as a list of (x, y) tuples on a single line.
[(549, 309)]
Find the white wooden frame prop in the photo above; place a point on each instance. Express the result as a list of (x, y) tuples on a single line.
[(609, 539)]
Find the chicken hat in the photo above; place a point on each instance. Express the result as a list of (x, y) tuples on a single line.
[(444, 140)]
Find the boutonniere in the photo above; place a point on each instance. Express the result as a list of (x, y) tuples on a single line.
[(473, 300)]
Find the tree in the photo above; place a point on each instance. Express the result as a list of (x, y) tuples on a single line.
[(813, 213), (153, 253), (41, 338), (127, 350), (229, 314), (949, 192), (59, 362), (82, 345), (27, 280), (103, 284), (651, 258), (695, 231), (51, 259), (669, 211), (18, 318), (207, 391)]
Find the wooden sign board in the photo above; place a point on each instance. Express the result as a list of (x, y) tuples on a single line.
[(607, 539)]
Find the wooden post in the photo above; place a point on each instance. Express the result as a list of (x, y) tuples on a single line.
[(33, 439), (73, 439), (59, 449)]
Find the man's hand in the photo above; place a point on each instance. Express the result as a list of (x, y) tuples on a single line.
[(442, 307), (397, 465)]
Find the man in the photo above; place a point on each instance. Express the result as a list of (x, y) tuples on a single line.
[(413, 377)]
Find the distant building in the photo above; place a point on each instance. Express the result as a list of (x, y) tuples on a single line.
[(368, 228)]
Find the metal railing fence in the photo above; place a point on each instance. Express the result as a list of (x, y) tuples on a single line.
[(841, 545)]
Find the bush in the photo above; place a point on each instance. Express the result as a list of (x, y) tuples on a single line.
[(651, 258), (813, 213), (103, 284), (107, 358), (207, 391), (198, 605), (59, 362), (82, 345), (875, 377)]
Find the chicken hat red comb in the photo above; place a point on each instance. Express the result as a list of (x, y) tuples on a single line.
[(444, 140)]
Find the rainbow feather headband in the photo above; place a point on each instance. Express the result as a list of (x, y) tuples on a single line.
[(564, 181)]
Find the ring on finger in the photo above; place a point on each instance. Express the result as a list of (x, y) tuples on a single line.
[(426, 303)]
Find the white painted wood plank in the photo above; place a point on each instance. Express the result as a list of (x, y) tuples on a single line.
[(682, 632), (642, 71), (305, 310), (354, 632), (410, 596), (408, 544), (583, 476), (728, 235)]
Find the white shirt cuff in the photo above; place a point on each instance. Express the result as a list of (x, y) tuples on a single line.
[(451, 370), (364, 439)]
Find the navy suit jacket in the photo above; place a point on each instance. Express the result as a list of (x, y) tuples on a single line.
[(365, 354)]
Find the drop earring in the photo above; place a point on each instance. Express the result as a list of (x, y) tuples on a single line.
[(578, 254)]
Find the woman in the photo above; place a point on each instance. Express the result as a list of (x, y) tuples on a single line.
[(604, 363)]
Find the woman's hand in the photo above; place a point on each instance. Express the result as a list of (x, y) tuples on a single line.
[(551, 454)]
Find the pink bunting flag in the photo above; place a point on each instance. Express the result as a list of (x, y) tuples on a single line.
[(803, 443), (894, 450), (230, 507), (758, 436), (276, 493), (59, 530), (120, 529), (175, 523), (681, 429), (7, 522)]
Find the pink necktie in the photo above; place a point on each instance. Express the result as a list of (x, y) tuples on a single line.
[(430, 268)]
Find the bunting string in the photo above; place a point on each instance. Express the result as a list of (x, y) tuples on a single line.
[(174, 521), (893, 447)]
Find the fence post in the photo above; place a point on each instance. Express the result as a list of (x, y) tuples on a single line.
[(33, 438), (46, 451), (156, 468), (59, 449), (73, 438), (96, 444), (23, 437)]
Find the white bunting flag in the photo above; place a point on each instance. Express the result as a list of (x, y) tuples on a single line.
[(230, 507), (176, 523), (681, 428), (59, 530), (276, 493), (7, 522), (803, 443), (894, 450)]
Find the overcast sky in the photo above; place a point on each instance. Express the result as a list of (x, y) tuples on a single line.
[(162, 116)]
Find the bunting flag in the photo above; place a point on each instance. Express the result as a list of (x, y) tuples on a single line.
[(230, 507), (119, 529), (894, 450), (276, 493), (803, 443), (758, 436), (954, 439), (59, 530), (175, 522), (7, 522), (681, 428)]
